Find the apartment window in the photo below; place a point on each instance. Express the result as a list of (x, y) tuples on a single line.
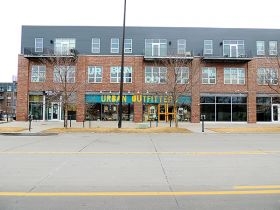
[(260, 48), (208, 47), (95, 45), (272, 47), (234, 76), (128, 46), (267, 76), (209, 75), (182, 75), (64, 46), (94, 74), (38, 73), (64, 74), (39, 44), (155, 47), (181, 46), (157, 75), (115, 45), (115, 74), (233, 48)]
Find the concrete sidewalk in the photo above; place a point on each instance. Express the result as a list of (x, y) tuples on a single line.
[(39, 126)]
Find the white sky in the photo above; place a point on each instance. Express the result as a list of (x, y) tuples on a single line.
[(184, 13)]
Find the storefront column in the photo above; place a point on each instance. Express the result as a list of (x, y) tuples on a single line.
[(138, 112), (251, 110)]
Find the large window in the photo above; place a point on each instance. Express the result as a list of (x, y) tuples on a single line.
[(155, 74), (224, 108), (234, 76), (263, 109), (128, 46), (95, 45), (38, 73), (115, 45), (64, 46), (94, 74), (182, 75), (115, 74), (39, 45), (155, 47), (181, 46), (260, 48), (233, 48), (208, 47), (209, 75), (272, 47), (267, 76), (64, 74)]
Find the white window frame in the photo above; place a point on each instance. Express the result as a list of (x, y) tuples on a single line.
[(115, 45), (39, 44), (181, 46), (38, 73), (95, 45), (60, 72), (267, 76), (234, 76), (233, 48), (182, 75), (156, 47), (155, 75), (95, 74), (63, 46), (128, 46), (273, 48), (208, 47), (260, 45), (115, 74), (208, 75)]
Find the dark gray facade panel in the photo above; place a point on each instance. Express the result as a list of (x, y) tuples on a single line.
[(194, 37)]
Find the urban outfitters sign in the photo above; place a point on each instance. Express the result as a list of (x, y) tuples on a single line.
[(145, 99)]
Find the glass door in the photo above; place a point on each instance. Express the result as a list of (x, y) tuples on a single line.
[(54, 111)]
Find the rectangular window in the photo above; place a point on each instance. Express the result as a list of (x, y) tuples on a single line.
[(64, 46), (157, 75), (260, 48), (182, 75), (267, 76), (272, 47), (209, 75), (115, 47), (208, 47), (95, 45), (156, 47), (38, 73), (234, 76), (94, 74), (128, 46), (233, 48), (115, 74), (64, 74), (181, 46), (39, 44)]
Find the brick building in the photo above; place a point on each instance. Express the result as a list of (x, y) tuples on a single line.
[(222, 73), (8, 95)]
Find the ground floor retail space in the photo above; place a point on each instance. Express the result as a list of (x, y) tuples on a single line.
[(141, 108)]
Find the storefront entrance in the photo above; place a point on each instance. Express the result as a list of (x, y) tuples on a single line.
[(54, 111), (166, 112)]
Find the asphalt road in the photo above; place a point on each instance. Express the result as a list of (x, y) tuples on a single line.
[(140, 171)]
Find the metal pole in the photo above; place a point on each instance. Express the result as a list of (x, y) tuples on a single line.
[(122, 66)]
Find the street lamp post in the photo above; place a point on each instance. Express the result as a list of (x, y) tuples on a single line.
[(122, 67)]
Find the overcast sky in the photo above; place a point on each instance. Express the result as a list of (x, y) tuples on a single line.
[(182, 13)]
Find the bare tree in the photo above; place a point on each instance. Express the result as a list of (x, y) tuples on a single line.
[(179, 79), (60, 84)]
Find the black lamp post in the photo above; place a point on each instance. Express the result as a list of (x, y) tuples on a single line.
[(122, 67)]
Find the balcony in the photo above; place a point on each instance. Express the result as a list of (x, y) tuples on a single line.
[(188, 55), (29, 52)]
